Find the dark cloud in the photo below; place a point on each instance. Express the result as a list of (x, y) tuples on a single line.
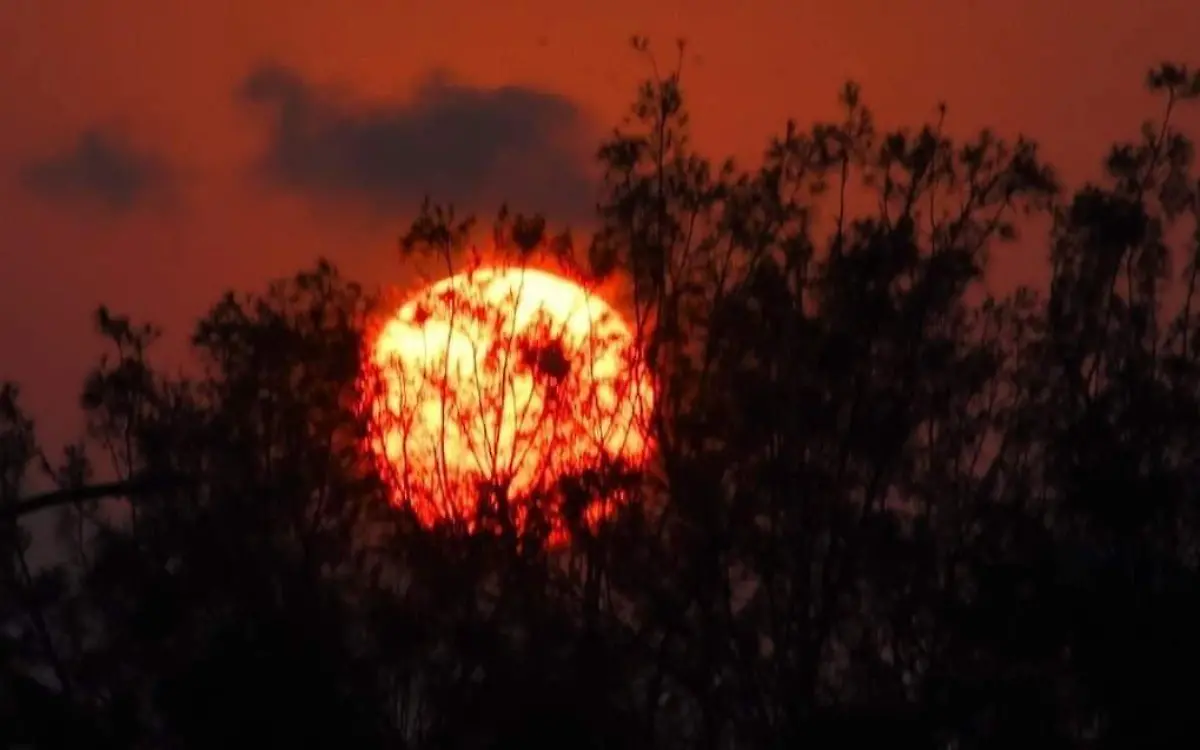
[(473, 147), (101, 167)]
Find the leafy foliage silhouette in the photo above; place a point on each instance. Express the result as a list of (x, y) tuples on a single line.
[(887, 503)]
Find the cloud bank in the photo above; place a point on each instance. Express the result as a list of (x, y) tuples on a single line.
[(455, 143), (100, 168)]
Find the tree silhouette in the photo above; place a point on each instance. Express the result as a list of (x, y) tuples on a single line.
[(886, 502)]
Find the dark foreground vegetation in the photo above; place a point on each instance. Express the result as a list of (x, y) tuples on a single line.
[(888, 506)]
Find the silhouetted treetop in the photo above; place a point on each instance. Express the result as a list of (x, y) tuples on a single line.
[(888, 502)]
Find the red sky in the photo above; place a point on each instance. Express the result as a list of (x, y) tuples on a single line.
[(236, 140)]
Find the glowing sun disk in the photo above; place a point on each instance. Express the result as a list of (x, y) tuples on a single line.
[(511, 376)]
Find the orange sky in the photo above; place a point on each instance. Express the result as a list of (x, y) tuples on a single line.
[(172, 81)]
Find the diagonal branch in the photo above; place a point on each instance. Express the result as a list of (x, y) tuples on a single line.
[(77, 495)]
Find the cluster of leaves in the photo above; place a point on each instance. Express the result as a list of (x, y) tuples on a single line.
[(888, 504)]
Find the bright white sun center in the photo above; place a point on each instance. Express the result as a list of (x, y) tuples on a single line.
[(505, 375)]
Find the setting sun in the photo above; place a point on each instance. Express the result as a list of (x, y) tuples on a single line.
[(504, 377)]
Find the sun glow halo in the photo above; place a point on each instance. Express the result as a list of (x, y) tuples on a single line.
[(504, 375)]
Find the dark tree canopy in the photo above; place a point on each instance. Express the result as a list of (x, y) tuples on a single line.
[(888, 503)]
